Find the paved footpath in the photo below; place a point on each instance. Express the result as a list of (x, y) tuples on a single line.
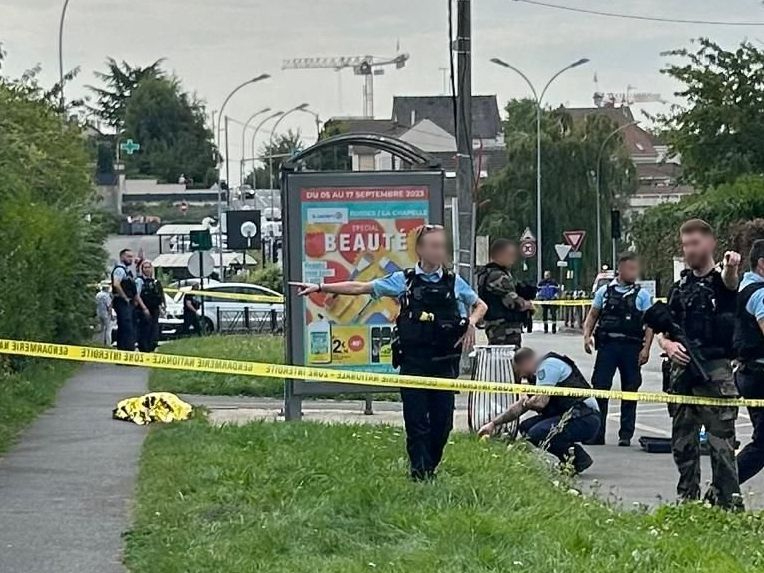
[(66, 487)]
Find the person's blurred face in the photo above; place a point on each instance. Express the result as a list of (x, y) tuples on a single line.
[(433, 246), (507, 256), (127, 258), (147, 269), (698, 249), (547, 274), (628, 271), (526, 367)]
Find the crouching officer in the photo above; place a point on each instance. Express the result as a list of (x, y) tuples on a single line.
[(749, 348), (433, 329), (562, 422), (123, 291), (621, 341), (702, 304), (507, 310)]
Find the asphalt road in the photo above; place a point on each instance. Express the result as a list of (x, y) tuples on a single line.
[(631, 475), (66, 487)]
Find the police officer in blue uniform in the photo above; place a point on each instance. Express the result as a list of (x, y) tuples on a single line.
[(437, 319), (124, 291), (749, 347), (614, 327), (562, 423)]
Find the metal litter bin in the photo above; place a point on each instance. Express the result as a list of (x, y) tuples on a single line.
[(492, 364)]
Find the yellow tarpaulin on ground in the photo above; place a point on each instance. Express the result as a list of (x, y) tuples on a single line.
[(154, 407)]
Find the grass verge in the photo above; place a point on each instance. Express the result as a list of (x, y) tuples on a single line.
[(233, 347), (255, 348), (26, 393), (313, 498)]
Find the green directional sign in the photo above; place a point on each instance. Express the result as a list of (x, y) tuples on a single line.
[(129, 146), (200, 240)]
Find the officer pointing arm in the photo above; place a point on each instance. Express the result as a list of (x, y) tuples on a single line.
[(432, 323)]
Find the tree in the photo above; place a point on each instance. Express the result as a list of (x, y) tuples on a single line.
[(121, 80), (170, 126), (730, 209), (50, 251), (719, 131), (507, 202), (284, 145)]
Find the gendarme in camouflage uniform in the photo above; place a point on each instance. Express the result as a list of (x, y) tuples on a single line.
[(704, 307), (506, 309)]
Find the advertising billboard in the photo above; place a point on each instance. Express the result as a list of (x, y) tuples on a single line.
[(353, 226)]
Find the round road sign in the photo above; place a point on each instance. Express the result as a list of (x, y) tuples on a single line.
[(528, 249)]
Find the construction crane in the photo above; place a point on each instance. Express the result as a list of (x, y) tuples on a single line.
[(366, 66), (629, 97)]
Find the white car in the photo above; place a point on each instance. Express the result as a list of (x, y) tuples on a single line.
[(227, 314)]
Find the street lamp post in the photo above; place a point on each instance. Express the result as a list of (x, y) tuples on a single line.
[(610, 136), (254, 137), (61, 56), (318, 121), (220, 192), (243, 135), (539, 99), (301, 107)]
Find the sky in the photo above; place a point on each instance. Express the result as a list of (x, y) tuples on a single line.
[(213, 45)]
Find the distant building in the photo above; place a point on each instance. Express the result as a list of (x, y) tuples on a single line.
[(427, 122), (658, 173)]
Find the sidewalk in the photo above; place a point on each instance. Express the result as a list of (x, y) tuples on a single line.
[(66, 486)]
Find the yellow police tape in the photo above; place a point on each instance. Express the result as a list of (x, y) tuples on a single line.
[(240, 367), (230, 295)]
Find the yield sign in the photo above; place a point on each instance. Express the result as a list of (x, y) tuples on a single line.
[(574, 239), (562, 251)]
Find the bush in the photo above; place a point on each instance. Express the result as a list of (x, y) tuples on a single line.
[(271, 276), (50, 250)]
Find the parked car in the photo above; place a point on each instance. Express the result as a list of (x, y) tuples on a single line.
[(226, 314)]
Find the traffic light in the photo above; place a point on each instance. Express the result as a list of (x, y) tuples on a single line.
[(615, 224)]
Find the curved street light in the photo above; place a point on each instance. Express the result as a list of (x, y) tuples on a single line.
[(301, 107), (318, 121), (610, 136), (219, 162), (254, 137), (243, 135), (539, 99), (61, 55)]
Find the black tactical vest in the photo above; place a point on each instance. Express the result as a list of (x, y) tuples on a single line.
[(496, 308), (558, 405), (620, 319), (749, 340), (127, 283), (152, 294), (705, 313), (429, 323)]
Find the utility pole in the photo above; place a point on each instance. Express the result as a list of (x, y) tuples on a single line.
[(227, 164), (465, 174)]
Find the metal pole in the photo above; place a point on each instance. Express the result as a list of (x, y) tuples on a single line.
[(254, 136), (464, 171), (61, 55), (539, 242), (539, 98), (610, 136), (217, 138), (243, 135), (300, 107), (227, 163)]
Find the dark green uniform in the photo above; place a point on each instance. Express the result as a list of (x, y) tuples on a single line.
[(505, 316), (704, 307)]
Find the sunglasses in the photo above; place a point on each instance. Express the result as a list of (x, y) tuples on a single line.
[(424, 229)]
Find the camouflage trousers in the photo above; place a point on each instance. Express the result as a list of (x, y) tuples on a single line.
[(500, 332), (719, 424)]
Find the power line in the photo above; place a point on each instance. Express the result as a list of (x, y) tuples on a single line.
[(638, 17)]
